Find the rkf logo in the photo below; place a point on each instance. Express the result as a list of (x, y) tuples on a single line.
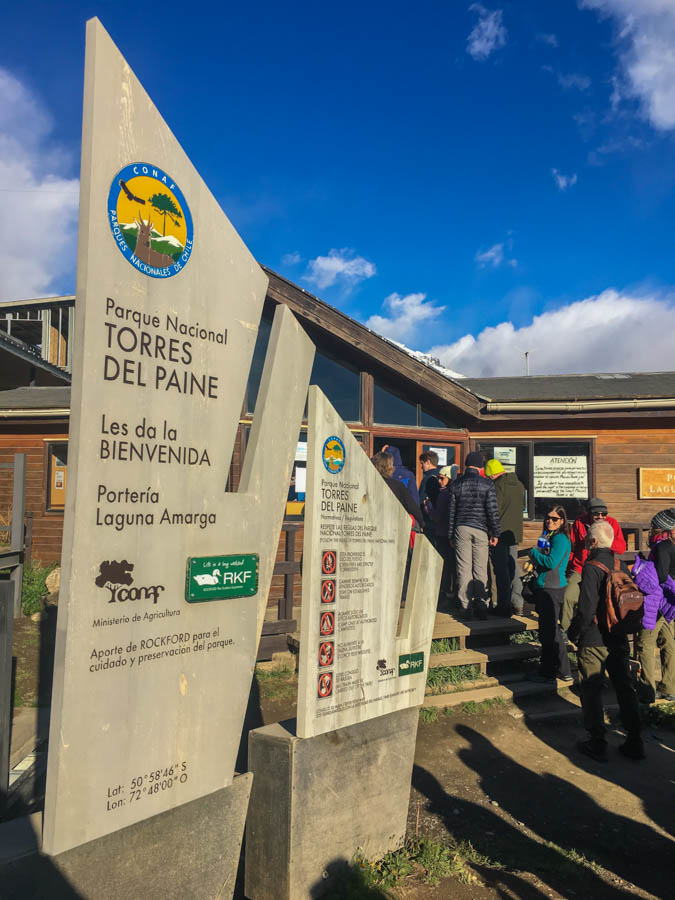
[(114, 575)]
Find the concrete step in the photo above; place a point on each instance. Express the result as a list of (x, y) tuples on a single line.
[(447, 625), (483, 655), (512, 691)]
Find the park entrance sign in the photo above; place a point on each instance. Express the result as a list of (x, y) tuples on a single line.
[(361, 655), (164, 575)]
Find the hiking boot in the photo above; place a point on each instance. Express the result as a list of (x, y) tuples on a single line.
[(661, 695), (633, 748), (594, 748)]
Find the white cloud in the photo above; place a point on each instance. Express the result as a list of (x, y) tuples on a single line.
[(549, 39), (487, 35), (574, 80), (610, 332), (39, 202), (339, 266), (494, 257), (646, 41), (291, 259), (563, 182), (406, 317)]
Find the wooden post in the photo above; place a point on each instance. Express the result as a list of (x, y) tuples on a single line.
[(17, 538), (6, 637)]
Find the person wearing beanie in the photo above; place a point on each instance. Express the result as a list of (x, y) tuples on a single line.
[(473, 525), (510, 501), (596, 511), (662, 543), (655, 578)]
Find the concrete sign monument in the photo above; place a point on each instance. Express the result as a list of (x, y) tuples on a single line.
[(165, 576), (355, 663), (363, 665)]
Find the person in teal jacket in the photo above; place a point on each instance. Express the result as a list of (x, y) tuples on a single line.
[(551, 582)]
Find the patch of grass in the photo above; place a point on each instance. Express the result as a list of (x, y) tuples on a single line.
[(425, 858), (428, 714), (445, 645), (524, 637), (440, 677), (473, 708), (34, 588), (276, 684), (662, 716)]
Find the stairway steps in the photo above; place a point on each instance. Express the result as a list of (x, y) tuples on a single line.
[(483, 655), (447, 626), (506, 691)]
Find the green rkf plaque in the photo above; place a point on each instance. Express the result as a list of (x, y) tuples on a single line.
[(410, 663), (221, 577)]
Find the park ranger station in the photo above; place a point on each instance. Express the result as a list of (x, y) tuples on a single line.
[(568, 437)]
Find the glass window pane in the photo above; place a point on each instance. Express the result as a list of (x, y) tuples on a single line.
[(57, 476), (341, 384), (391, 409), (429, 421), (561, 477), (258, 362), (504, 451)]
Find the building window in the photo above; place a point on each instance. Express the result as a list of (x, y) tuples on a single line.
[(391, 409), (57, 469), (340, 383), (427, 420), (555, 473)]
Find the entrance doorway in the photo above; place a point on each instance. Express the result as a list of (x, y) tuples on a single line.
[(407, 449)]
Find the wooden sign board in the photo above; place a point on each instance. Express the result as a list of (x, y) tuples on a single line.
[(657, 484)]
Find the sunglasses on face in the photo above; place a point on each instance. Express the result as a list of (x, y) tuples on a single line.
[(599, 515), (553, 518)]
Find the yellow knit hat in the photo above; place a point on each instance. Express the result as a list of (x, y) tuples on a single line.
[(493, 467)]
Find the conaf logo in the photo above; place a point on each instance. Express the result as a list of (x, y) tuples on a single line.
[(114, 575), (381, 667)]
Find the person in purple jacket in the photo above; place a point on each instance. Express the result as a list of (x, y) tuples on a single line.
[(653, 577)]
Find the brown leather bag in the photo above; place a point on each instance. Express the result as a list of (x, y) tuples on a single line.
[(624, 603)]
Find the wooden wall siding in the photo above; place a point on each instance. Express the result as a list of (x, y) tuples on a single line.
[(619, 453), (47, 527)]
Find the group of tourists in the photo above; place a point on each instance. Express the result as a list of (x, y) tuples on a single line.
[(575, 578)]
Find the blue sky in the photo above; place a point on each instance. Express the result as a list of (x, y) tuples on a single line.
[(472, 180)]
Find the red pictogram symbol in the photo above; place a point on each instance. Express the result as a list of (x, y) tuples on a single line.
[(326, 653), (328, 590), (328, 562), (325, 686), (327, 623)]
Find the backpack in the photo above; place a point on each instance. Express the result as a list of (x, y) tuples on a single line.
[(624, 602)]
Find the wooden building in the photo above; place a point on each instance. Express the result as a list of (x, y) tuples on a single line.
[(568, 437)]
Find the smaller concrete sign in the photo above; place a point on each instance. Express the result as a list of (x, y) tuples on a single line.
[(221, 577), (657, 483)]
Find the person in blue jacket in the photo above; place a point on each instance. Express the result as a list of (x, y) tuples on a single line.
[(551, 565), (405, 476)]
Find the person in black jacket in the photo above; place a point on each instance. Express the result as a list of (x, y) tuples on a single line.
[(473, 526), (599, 651), (661, 540), (429, 489)]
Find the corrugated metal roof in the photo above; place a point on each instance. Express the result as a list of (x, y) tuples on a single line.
[(35, 398), (611, 386)]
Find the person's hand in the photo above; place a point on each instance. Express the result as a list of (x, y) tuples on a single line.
[(494, 542)]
